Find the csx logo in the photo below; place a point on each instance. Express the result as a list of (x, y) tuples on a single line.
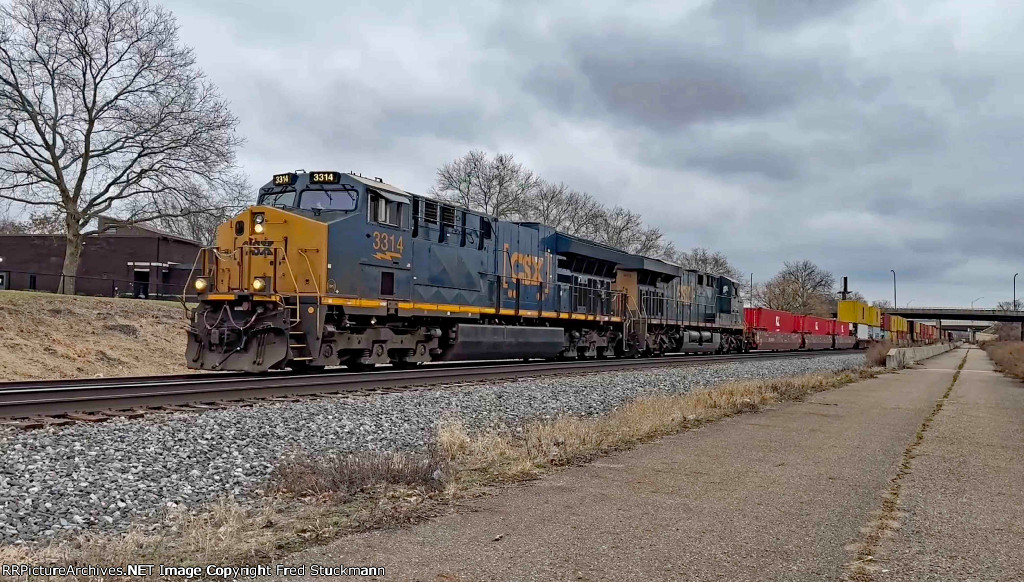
[(528, 268), (261, 248)]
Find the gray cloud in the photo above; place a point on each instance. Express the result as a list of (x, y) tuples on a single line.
[(859, 134), (780, 14)]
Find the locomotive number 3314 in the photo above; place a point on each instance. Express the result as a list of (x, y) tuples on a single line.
[(385, 242)]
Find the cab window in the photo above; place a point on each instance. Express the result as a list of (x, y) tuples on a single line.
[(279, 199), (384, 211), (343, 199)]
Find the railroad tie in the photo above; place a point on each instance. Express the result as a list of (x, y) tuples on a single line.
[(82, 417)]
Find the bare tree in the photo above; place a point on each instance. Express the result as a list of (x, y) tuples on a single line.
[(202, 226), (505, 189), (497, 187), (9, 224), (103, 111), (564, 209), (1007, 331), (881, 303), (458, 181), (47, 221), (586, 216), (800, 287), (625, 229), (703, 259), (851, 296)]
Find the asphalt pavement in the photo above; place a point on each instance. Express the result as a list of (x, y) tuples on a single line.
[(784, 494), (962, 503)]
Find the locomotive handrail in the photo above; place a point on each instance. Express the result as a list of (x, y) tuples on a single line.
[(316, 286), (704, 309)]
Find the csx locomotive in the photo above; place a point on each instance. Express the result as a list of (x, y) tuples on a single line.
[(333, 268)]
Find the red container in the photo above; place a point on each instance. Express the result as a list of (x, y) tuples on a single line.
[(813, 325), (886, 322), (770, 320), (842, 328)]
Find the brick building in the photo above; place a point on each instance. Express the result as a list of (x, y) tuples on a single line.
[(136, 260)]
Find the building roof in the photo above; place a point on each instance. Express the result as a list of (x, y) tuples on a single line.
[(105, 222)]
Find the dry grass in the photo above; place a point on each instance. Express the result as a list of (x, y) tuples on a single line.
[(875, 355), (494, 456), (344, 476), (44, 336), (1008, 356), (316, 499), (224, 529)]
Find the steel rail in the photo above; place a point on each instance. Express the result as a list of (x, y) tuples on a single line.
[(54, 398)]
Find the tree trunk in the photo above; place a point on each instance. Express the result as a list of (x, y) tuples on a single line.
[(72, 258)]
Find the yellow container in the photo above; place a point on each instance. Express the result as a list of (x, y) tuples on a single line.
[(853, 312), (896, 323), (874, 316)]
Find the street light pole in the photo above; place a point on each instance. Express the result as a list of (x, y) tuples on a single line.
[(972, 302), (909, 302), (894, 304), (1015, 305)]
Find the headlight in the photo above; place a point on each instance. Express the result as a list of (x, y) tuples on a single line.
[(258, 218), (259, 284), (201, 285), (258, 228)]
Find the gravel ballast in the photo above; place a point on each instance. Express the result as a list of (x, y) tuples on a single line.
[(60, 480)]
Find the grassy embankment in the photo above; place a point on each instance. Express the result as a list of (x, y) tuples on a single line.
[(48, 336), (313, 500), (1008, 356)]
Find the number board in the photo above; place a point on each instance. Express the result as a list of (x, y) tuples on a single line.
[(284, 179), (324, 177)]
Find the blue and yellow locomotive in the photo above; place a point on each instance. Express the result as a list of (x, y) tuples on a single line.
[(332, 268)]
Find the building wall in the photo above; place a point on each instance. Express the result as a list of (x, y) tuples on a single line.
[(105, 268)]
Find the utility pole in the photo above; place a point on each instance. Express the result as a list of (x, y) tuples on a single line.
[(1020, 323)]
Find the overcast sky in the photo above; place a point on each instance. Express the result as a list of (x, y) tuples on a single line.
[(865, 136)]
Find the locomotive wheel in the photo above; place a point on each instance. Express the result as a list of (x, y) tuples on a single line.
[(627, 350)]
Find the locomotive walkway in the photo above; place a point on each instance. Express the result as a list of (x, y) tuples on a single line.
[(793, 493)]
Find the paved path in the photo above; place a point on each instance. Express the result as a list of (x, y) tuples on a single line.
[(963, 501), (778, 495)]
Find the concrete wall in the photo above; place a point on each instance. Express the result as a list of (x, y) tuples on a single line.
[(903, 357)]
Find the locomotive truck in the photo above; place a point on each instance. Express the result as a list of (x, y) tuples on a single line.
[(332, 268)]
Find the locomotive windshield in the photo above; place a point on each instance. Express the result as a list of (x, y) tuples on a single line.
[(338, 199), (282, 199)]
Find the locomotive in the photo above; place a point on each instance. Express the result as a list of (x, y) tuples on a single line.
[(333, 268)]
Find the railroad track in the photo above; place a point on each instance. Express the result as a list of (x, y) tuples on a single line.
[(33, 404)]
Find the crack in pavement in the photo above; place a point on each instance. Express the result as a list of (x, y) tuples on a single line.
[(864, 565)]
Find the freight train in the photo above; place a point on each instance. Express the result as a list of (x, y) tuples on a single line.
[(856, 325), (332, 268)]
